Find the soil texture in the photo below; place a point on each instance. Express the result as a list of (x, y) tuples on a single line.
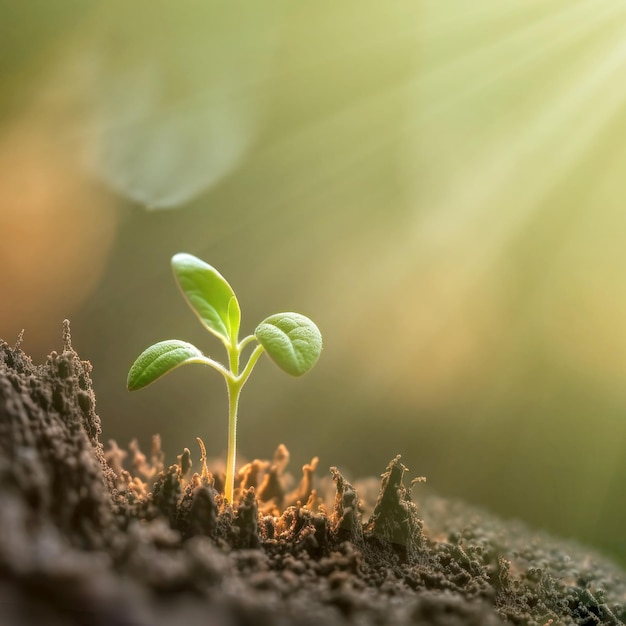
[(103, 537)]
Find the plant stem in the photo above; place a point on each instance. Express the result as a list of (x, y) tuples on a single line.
[(254, 357), (234, 389), (234, 383)]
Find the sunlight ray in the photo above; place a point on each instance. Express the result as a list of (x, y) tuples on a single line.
[(491, 192), (525, 49), (587, 105)]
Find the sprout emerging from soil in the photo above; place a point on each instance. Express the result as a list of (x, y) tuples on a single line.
[(291, 340)]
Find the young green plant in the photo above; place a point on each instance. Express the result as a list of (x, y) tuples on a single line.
[(291, 340)]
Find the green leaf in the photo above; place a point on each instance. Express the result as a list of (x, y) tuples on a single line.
[(209, 295), (291, 340), (159, 359), (234, 316)]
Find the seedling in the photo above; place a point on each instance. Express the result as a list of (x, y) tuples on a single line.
[(291, 340)]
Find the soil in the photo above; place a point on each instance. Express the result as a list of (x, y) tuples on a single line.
[(84, 541)]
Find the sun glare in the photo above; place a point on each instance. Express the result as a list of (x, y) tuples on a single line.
[(507, 103)]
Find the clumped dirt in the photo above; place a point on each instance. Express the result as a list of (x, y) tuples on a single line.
[(105, 537)]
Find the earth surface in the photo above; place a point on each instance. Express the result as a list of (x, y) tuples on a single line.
[(103, 536)]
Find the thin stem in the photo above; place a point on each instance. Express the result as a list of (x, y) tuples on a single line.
[(254, 357), (233, 360), (234, 389), (234, 384), (245, 341), (211, 363)]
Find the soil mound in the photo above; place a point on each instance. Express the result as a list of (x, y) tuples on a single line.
[(85, 541)]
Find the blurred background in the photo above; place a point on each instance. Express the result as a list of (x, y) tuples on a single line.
[(440, 185)]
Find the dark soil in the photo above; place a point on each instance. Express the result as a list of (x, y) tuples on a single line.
[(84, 541)]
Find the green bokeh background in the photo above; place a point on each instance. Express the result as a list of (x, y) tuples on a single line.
[(440, 185)]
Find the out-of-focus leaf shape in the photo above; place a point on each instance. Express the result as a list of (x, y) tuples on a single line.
[(176, 95), (158, 360), (291, 340), (209, 295)]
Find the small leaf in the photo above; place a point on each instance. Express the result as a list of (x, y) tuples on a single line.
[(209, 295), (158, 360), (234, 316), (291, 340)]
